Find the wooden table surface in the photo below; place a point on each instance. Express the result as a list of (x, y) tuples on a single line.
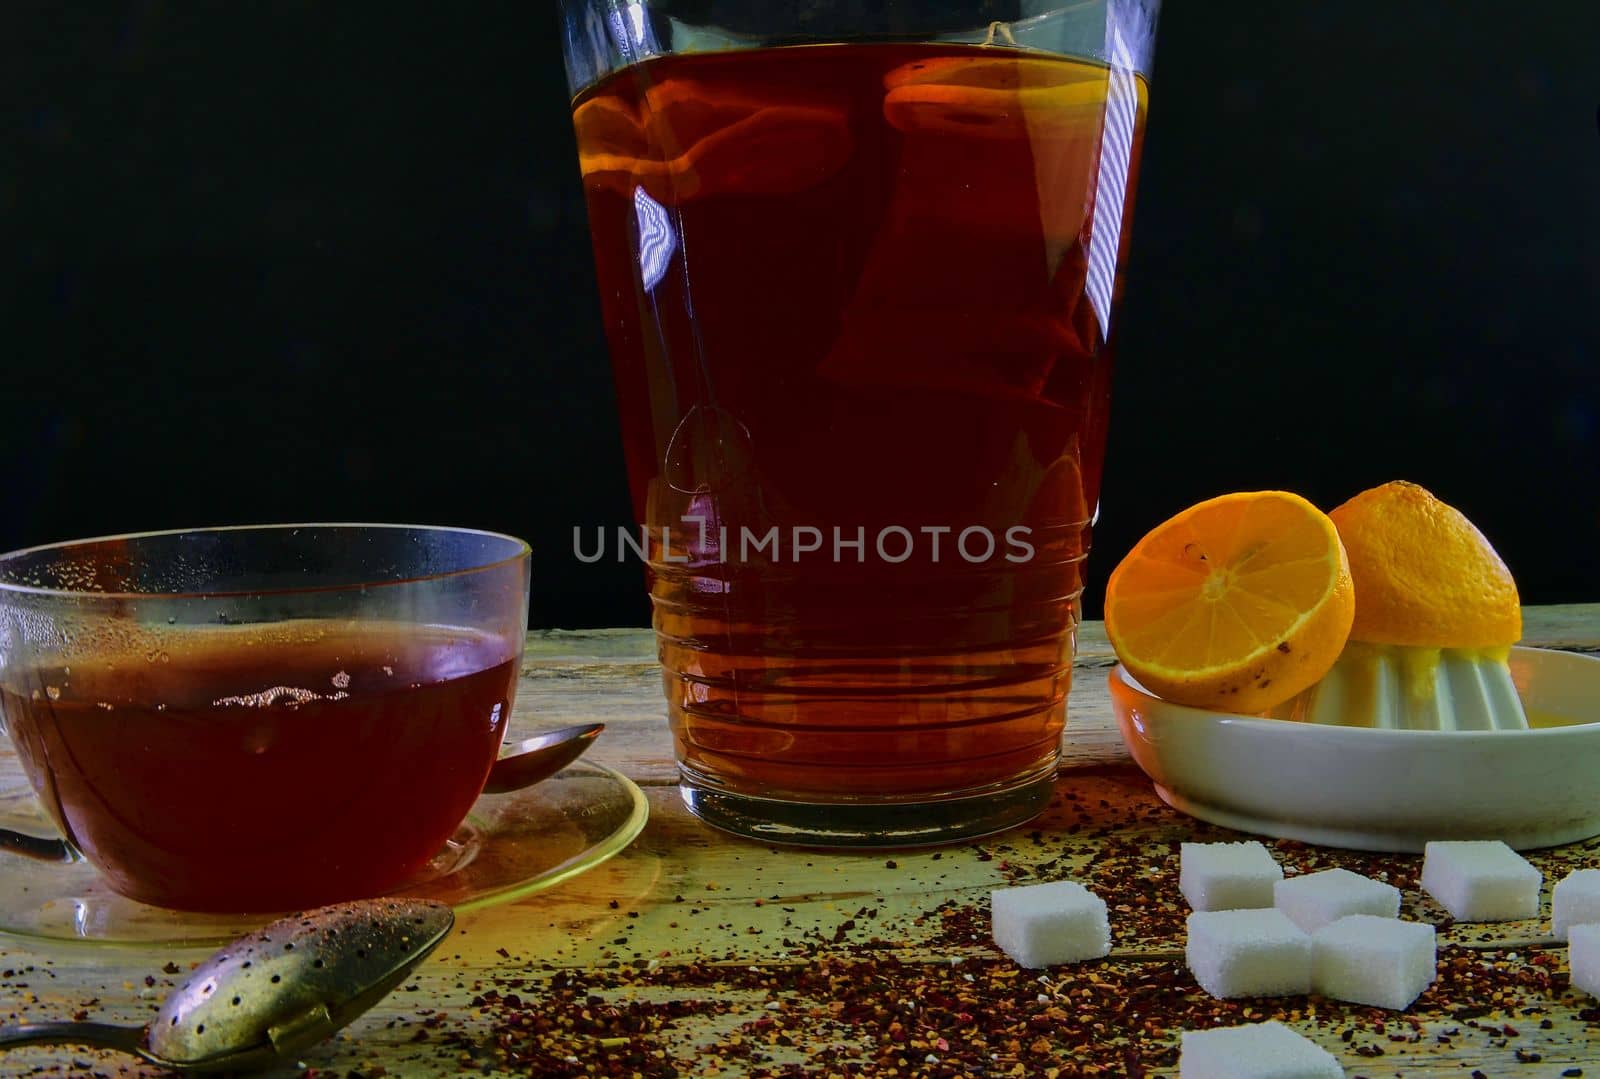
[(695, 953)]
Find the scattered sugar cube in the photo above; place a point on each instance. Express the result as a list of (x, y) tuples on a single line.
[(1227, 876), (1481, 881), (1040, 925), (1366, 959), (1316, 899), (1575, 900), (1583, 957), (1248, 953), (1267, 1050)]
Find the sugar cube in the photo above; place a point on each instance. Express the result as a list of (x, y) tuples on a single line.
[(1227, 876), (1040, 925), (1314, 900), (1583, 957), (1248, 953), (1481, 881), (1575, 900), (1267, 1050), (1366, 959)]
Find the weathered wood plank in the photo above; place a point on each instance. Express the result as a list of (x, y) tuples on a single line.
[(611, 676), (686, 899), (747, 905), (1567, 625)]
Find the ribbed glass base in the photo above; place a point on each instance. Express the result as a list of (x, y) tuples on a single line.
[(867, 824)]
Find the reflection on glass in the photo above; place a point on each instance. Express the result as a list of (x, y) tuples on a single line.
[(1126, 29), (657, 241), (631, 30)]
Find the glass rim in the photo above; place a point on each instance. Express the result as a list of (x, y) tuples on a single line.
[(599, 43), (523, 551)]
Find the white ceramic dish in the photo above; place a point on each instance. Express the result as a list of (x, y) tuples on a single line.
[(1384, 790)]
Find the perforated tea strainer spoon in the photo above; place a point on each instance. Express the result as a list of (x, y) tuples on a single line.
[(270, 995)]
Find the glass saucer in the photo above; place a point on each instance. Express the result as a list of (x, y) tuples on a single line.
[(511, 845)]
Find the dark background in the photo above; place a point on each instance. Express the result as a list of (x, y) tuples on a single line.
[(300, 261)]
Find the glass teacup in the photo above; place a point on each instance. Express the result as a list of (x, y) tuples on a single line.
[(261, 718)]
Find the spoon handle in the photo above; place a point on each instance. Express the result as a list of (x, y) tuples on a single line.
[(37, 848), (99, 1035)]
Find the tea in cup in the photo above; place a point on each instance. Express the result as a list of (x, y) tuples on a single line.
[(258, 719)]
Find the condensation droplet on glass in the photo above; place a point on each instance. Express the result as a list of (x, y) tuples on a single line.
[(341, 680), (107, 705), (161, 708), (494, 716), (172, 620), (165, 658), (388, 670), (53, 692)]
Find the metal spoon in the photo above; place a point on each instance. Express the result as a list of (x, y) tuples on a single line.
[(523, 765), (539, 757), (266, 997)]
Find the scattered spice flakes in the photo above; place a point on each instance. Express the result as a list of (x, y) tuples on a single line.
[(848, 1006), (565, 1027), (878, 1015), (850, 1017)]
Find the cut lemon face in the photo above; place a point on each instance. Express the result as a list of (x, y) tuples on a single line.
[(1236, 604)]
